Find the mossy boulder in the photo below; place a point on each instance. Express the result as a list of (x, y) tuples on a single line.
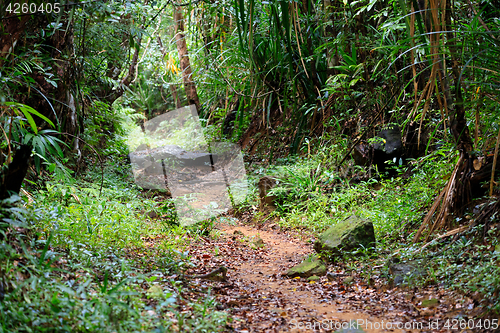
[(348, 235), (311, 265)]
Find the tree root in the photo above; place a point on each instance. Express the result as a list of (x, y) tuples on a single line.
[(465, 179)]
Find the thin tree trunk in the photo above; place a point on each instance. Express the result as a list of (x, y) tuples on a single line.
[(331, 53), (189, 85), (11, 30), (133, 66), (127, 79), (11, 178), (114, 72)]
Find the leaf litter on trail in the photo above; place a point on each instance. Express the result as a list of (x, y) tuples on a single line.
[(261, 299)]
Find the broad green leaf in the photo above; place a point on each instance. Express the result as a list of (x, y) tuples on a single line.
[(40, 144), (55, 145), (36, 113), (30, 119), (26, 108)]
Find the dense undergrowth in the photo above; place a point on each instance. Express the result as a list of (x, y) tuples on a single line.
[(75, 259), (77, 256), (313, 195)]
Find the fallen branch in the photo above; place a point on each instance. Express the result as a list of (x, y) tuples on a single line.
[(429, 215), (449, 233), (217, 275), (446, 195)]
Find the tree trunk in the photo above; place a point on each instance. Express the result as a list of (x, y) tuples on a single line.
[(125, 82), (189, 85), (10, 32), (53, 98), (331, 53), (12, 177), (106, 91)]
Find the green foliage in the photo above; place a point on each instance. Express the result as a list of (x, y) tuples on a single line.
[(394, 207), (399, 206), (277, 61), (45, 143), (94, 221), (47, 148), (299, 184), (82, 264), (469, 265), (27, 111), (104, 34)]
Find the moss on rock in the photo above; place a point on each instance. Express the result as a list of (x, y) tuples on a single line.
[(347, 235), (311, 265)]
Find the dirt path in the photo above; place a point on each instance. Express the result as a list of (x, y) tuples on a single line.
[(262, 300), (298, 306)]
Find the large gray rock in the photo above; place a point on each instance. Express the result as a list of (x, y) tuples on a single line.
[(348, 235), (309, 267)]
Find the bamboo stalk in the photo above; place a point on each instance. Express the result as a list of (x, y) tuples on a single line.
[(412, 55), (295, 23), (422, 94), (492, 181), (476, 129), (431, 84)]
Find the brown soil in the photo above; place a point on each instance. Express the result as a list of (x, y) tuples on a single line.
[(263, 276), (261, 299)]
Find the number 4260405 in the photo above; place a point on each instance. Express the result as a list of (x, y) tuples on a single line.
[(33, 8)]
